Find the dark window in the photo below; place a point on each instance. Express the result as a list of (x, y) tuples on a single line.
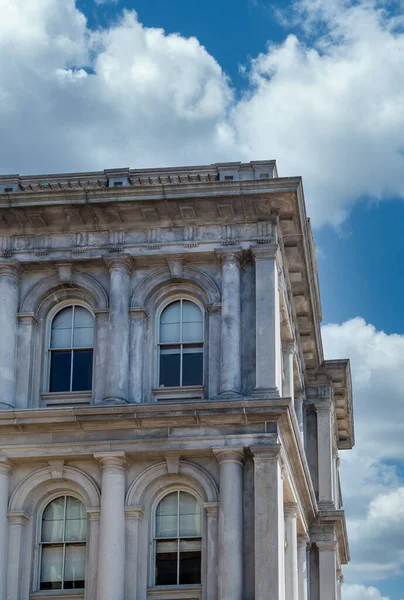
[(71, 351), (178, 540), (181, 345), (118, 183)]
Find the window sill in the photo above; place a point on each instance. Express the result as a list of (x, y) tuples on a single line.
[(191, 392), (65, 398), (59, 594), (175, 592)]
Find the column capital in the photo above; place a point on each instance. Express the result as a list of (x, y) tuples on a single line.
[(134, 513), (27, 318), (18, 517), (327, 546), (120, 262), (214, 308), (5, 465), (302, 539), (102, 315), (290, 509), (264, 251), (266, 451), (112, 460), (212, 509), (323, 406), (138, 313), (11, 268), (230, 254), (227, 454), (288, 346)]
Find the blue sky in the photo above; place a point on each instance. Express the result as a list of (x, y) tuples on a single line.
[(316, 84)]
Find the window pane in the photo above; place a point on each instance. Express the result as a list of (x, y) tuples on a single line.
[(82, 317), (82, 370), (51, 568), (192, 365), (83, 335), (169, 365), (191, 312), (76, 521), (169, 332), (190, 561), (190, 515), (75, 566), (192, 332), (167, 515), (62, 329), (166, 562), (52, 521), (60, 371), (171, 314)]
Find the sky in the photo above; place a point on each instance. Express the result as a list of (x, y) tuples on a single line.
[(316, 84)]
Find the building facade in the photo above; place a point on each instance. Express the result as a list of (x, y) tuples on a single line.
[(169, 428)]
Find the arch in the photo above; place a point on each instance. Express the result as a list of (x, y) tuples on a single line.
[(206, 287), (42, 482), (49, 291), (156, 478)]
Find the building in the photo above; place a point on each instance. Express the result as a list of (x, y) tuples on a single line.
[(169, 428)]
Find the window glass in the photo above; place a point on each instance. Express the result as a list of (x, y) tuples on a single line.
[(167, 516), (75, 565), (61, 336), (51, 567), (76, 520), (190, 516), (82, 370), (170, 365), (53, 521), (83, 336)]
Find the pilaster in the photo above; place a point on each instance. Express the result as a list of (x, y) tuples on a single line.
[(5, 470), (291, 564), (133, 517), (10, 274), (212, 515), (138, 317)]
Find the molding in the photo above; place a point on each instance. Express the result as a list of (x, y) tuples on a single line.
[(134, 513), (229, 255), (11, 268), (266, 451), (264, 251), (229, 455), (112, 460), (5, 465), (18, 517), (120, 262), (27, 318)]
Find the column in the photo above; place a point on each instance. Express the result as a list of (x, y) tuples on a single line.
[(291, 565), (5, 470), (230, 348), (9, 294), (298, 404), (101, 347), (324, 453), (268, 321), (93, 534), (288, 388), (212, 514), (133, 517), (340, 582), (302, 541), (27, 323), (111, 546), (230, 559), (118, 356), (138, 317), (17, 522), (214, 312), (327, 570), (269, 523)]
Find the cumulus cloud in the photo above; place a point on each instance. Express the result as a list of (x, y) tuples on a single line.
[(360, 592), (72, 98), (373, 488)]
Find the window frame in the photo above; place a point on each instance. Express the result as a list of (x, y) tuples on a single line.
[(36, 582), (153, 539), (48, 350), (177, 298)]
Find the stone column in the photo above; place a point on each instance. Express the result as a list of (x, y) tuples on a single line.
[(212, 513), (302, 541), (93, 534), (27, 323), (133, 517), (325, 457), (138, 317), (118, 357), (291, 565), (340, 582), (5, 470), (268, 321), (17, 522), (111, 546), (230, 559), (10, 273), (288, 388), (230, 348), (214, 311), (269, 523), (298, 404), (327, 569), (101, 347)]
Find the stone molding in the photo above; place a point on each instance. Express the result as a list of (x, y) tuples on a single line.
[(264, 251), (112, 460), (327, 546), (229, 454), (138, 313), (5, 465), (18, 517), (120, 262), (11, 268), (27, 318), (230, 255), (134, 513), (211, 509), (266, 451), (291, 509)]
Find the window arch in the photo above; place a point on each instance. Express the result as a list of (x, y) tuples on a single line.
[(63, 544), (71, 350), (178, 540), (181, 340)]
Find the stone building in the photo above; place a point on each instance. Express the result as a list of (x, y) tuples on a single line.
[(169, 428)]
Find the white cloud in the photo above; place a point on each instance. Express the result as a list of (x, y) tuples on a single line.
[(372, 487), (360, 592), (74, 99)]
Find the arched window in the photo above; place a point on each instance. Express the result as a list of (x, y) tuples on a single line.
[(71, 350), (63, 545), (181, 345), (178, 540)]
